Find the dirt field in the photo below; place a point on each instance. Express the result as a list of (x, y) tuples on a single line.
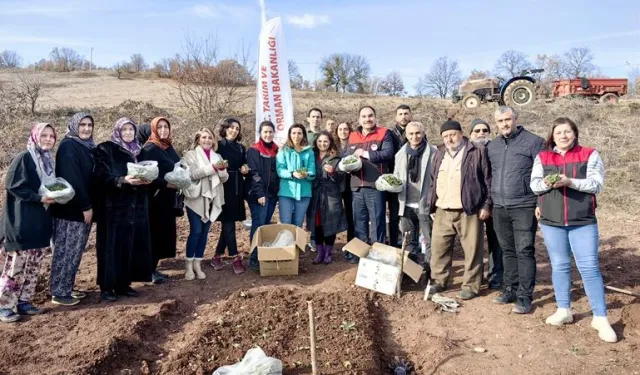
[(193, 327)]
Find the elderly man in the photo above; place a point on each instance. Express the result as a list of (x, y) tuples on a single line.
[(374, 145), (479, 134), (511, 155), (412, 164), (460, 198)]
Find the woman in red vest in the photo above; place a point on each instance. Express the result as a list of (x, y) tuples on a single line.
[(567, 177)]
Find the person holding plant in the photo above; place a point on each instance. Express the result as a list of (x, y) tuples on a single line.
[(26, 225), (296, 168), (566, 177)]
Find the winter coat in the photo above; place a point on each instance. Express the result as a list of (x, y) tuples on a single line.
[(476, 179), (511, 163), (162, 215), (379, 144), (122, 216), (74, 163), (25, 223), (235, 154), (327, 198), (262, 180), (288, 161), (206, 196), (401, 172)]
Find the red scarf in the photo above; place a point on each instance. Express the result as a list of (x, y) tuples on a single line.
[(267, 149)]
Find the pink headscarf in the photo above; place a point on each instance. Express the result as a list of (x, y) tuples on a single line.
[(44, 159)]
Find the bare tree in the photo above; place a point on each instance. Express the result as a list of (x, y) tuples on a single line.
[(65, 59), (441, 80), (512, 63), (552, 66), (295, 77), (29, 89), (346, 72), (578, 62), (137, 63), (634, 79), (392, 84), (205, 92), (479, 74), (10, 60), (121, 67)]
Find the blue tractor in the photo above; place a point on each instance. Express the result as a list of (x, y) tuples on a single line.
[(516, 92)]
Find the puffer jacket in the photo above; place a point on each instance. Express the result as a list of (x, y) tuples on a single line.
[(288, 161), (511, 163)]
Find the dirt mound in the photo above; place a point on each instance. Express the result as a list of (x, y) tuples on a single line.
[(630, 317), (277, 321)]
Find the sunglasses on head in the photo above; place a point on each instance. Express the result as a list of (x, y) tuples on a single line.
[(483, 130)]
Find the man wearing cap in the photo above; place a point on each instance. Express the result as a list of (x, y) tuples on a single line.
[(512, 153), (459, 197), (479, 134)]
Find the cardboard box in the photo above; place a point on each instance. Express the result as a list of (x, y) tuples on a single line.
[(279, 261), (376, 275)]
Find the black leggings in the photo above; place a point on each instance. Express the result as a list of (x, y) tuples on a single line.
[(321, 239)]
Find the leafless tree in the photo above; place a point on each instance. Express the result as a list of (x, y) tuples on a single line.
[(295, 77), (10, 59), (552, 66), (512, 63), (392, 85), (65, 59), (479, 74), (346, 72), (441, 80), (29, 89), (121, 67), (578, 62), (137, 63), (634, 80)]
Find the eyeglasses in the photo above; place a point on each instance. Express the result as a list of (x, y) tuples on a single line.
[(483, 130)]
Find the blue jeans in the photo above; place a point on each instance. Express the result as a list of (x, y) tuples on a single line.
[(582, 241), (260, 215), (293, 211), (368, 205), (198, 233)]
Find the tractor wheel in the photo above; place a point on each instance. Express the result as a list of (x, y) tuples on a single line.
[(519, 93), (471, 101), (608, 98)]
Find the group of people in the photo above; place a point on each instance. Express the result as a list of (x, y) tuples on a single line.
[(470, 185)]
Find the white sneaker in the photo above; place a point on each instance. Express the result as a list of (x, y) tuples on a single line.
[(605, 332), (560, 317)]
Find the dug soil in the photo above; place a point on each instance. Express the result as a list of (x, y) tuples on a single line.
[(194, 327)]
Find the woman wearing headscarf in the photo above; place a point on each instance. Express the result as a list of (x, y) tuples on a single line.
[(123, 246), (72, 223), (231, 150), (162, 195), (26, 225), (204, 198), (143, 133)]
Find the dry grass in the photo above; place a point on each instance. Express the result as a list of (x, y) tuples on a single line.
[(611, 129)]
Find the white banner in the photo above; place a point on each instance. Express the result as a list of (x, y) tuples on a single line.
[(273, 90)]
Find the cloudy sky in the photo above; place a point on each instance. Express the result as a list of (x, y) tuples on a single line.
[(402, 35)]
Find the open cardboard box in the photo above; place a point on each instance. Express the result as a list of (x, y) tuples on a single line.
[(376, 275), (279, 261)]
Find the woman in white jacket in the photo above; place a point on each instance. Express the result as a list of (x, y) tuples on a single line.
[(204, 199)]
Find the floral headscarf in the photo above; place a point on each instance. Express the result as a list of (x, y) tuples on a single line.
[(132, 147), (155, 137), (44, 159), (73, 129)]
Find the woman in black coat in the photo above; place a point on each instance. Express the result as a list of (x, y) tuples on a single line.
[(162, 195), (72, 224), (26, 224), (123, 246), (233, 209)]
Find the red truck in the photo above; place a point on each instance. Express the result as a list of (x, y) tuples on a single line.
[(604, 90)]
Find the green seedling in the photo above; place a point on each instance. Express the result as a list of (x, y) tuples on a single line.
[(348, 326), (392, 180), (56, 187), (553, 178)]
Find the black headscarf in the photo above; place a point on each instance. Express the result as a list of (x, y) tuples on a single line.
[(144, 132)]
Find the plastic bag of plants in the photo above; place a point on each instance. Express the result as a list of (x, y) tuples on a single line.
[(179, 177), (58, 189), (350, 163), (389, 182), (255, 362), (283, 239), (145, 170)]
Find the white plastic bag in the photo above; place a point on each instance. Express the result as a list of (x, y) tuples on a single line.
[(350, 164), (383, 185), (255, 362), (385, 257), (283, 239), (180, 177), (58, 189), (144, 170)]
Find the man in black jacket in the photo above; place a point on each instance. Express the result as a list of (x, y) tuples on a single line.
[(511, 155), (403, 117)]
